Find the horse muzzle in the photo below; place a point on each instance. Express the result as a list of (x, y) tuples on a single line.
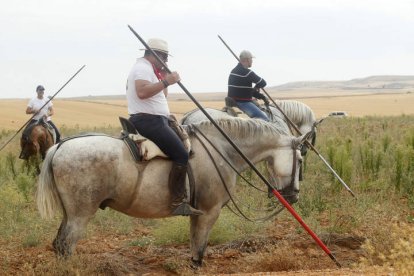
[(23, 155), (290, 195)]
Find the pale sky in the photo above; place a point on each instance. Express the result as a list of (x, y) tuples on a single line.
[(47, 41)]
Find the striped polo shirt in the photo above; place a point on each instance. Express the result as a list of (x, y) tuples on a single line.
[(240, 84)]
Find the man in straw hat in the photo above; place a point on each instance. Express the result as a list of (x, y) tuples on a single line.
[(240, 88), (147, 89)]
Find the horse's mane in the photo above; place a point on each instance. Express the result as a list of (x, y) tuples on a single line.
[(186, 115), (244, 127), (298, 112)]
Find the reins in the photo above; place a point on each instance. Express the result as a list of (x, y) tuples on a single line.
[(192, 127), (240, 213)]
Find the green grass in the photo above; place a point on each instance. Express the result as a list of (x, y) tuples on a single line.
[(373, 155)]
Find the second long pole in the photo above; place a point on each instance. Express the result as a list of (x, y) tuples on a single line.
[(296, 129)]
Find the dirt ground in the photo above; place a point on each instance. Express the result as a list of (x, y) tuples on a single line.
[(281, 251)]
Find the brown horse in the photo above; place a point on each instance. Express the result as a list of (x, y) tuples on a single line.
[(35, 141)]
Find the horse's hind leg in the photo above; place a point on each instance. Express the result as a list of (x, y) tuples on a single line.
[(200, 229), (70, 231), (59, 243)]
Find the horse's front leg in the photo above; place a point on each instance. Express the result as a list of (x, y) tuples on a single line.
[(199, 230)]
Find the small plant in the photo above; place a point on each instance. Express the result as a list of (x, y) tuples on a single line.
[(11, 163), (31, 240), (171, 266), (386, 141), (25, 184), (370, 158)]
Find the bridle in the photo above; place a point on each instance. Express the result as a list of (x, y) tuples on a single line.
[(289, 191)]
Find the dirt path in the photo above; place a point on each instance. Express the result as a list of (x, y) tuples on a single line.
[(282, 251)]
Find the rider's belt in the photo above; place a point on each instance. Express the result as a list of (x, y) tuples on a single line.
[(241, 99), (142, 115)]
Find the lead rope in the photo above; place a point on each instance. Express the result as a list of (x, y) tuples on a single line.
[(240, 214)]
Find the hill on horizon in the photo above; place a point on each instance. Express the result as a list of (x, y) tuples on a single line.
[(371, 82)]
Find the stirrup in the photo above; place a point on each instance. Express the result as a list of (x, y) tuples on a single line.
[(184, 209)]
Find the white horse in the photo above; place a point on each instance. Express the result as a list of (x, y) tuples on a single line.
[(299, 113), (86, 173)]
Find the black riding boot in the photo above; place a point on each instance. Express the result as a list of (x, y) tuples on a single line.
[(176, 185)]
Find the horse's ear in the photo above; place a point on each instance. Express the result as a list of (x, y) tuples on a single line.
[(315, 124)]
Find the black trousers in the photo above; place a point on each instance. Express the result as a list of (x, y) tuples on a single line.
[(156, 128)]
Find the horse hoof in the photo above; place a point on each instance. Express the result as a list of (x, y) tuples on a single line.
[(196, 264)]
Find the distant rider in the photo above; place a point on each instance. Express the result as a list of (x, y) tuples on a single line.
[(35, 105), (240, 87)]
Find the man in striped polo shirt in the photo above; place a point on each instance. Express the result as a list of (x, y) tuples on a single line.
[(240, 87)]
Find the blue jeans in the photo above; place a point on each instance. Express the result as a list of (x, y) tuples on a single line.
[(252, 110)]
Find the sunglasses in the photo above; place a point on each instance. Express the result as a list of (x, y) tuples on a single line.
[(163, 56)]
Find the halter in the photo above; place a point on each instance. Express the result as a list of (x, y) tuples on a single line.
[(293, 176)]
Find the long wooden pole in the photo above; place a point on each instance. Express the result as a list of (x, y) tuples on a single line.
[(276, 193)]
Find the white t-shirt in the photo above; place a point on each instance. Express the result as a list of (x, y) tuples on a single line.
[(157, 104), (49, 117), (36, 104)]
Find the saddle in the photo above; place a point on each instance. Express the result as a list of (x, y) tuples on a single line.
[(31, 125), (49, 128), (143, 149), (230, 105)]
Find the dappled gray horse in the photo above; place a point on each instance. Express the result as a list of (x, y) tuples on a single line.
[(85, 173), (299, 113)]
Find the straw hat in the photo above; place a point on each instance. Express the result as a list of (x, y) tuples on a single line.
[(158, 45)]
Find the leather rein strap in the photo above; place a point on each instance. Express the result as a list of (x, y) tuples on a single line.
[(192, 129)]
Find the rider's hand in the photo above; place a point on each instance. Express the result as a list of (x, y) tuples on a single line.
[(172, 78), (266, 101)]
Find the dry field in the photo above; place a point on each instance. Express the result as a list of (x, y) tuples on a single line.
[(116, 245), (103, 112)]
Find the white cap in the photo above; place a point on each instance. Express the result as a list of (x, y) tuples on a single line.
[(246, 54)]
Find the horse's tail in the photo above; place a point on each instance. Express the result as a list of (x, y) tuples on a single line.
[(47, 197)]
